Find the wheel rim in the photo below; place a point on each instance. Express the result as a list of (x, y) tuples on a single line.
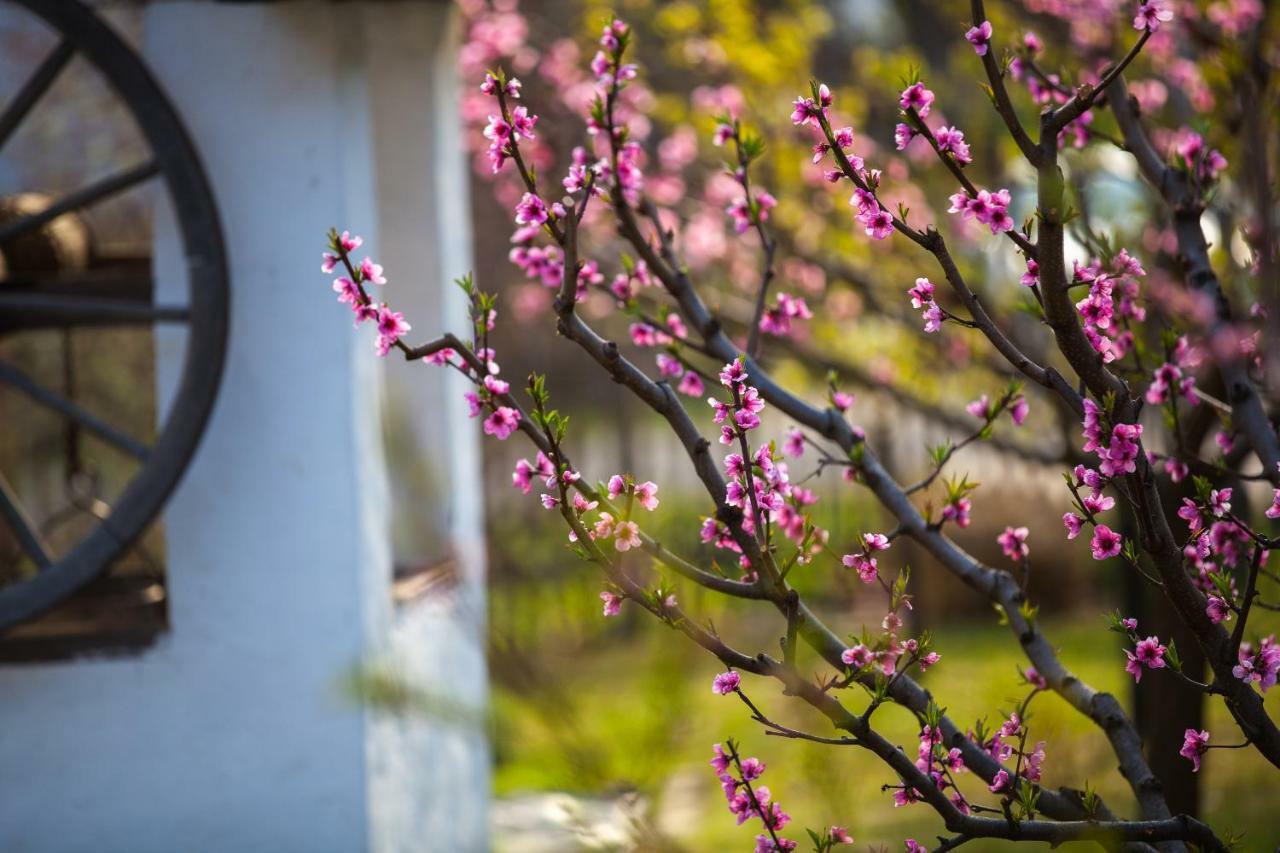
[(174, 161)]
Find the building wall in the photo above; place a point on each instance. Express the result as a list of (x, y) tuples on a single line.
[(233, 733)]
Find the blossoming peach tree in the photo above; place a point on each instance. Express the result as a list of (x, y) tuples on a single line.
[(1114, 366)]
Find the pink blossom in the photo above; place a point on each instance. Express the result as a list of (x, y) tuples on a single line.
[(913, 846), (1148, 653), (1194, 745), (957, 511), (979, 408), (916, 97), (1190, 513), (793, 445), (1072, 522), (1259, 667), (391, 325), (1031, 277), (875, 542), (1019, 410), (1034, 677), (1000, 782), (691, 385), (1273, 511), (1105, 543), (1151, 15), (371, 272), (1014, 543), (347, 291), (725, 683), (1217, 610), (922, 293), (980, 37), (502, 422), (531, 210), (612, 603), (647, 495), (951, 140), (865, 566), (902, 135), (856, 656), (350, 242), (1220, 502), (626, 535)]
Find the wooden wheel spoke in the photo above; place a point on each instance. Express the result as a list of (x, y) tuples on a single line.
[(32, 309), (14, 377), (34, 89), (16, 519), (91, 194)]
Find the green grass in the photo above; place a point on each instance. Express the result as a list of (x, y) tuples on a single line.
[(633, 710)]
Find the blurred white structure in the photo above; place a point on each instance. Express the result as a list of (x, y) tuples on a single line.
[(232, 732)]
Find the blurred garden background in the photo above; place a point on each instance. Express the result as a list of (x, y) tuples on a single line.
[(618, 713)]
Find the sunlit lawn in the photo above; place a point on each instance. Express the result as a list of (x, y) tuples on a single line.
[(637, 712)]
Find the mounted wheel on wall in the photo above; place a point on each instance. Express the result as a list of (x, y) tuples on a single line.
[(62, 295)]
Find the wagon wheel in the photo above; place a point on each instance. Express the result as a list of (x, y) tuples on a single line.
[(43, 302)]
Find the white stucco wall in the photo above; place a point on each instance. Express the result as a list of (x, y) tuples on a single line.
[(231, 734)]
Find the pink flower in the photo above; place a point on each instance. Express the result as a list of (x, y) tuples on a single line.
[(951, 140), (922, 293), (841, 400), (1105, 543), (958, 512), (617, 486), (902, 136), (626, 535), (1194, 745), (793, 445), (371, 272), (980, 408), (612, 603), (875, 542), (980, 37), (878, 223), (1129, 623), (1260, 667), (725, 683), (691, 385), (531, 210), (913, 846), (502, 422), (856, 656), (1273, 511), (1019, 410), (865, 566), (1072, 522), (347, 291), (916, 97), (1217, 610), (1220, 502), (1034, 677), (391, 326), (1031, 277), (350, 242), (1014, 543), (1148, 653), (1151, 15), (999, 783), (839, 835), (647, 495)]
